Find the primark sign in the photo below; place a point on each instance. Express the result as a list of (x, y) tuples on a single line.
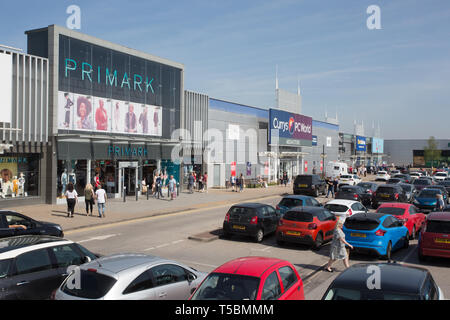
[(289, 129)]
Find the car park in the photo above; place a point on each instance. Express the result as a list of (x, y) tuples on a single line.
[(131, 277), (421, 183), (382, 176), (310, 184), (409, 190), (250, 219), (397, 282), (388, 193), (307, 225), (33, 267), (426, 199), (445, 195), (369, 187), (407, 214), (434, 240), (354, 193), (291, 201), (350, 179), (15, 224), (345, 208), (375, 233), (252, 278)]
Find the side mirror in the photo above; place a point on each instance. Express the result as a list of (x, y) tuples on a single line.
[(86, 259), (191, 277)]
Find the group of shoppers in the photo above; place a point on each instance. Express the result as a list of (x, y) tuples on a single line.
[(237, 184), (90, 196), (200, 179)]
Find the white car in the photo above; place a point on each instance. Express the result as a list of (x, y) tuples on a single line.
[(344, 208), (350, 179), (394, 172), (382, 175), (440, 176)]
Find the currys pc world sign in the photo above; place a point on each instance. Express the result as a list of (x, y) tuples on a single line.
[(290, 129)]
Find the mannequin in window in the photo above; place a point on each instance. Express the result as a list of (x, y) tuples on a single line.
[(7, 185), (15, 182), (72, 178), (64, 181), (21, 184)]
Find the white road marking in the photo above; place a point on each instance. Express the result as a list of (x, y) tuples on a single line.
[(100, 237), (178, 241), (163, 245), (263, 250), (149, 249)]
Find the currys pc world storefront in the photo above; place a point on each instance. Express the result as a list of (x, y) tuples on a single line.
[(112, 111)]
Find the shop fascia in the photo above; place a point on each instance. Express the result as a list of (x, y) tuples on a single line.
[(127, 151), (111, 78)]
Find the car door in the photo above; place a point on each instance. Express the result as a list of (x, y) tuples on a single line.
[(274, 218), (292, 286), (5, 230), (329, 223), (34, 276), (314, 203), (65, 256), (20, 224), (398, 232), (171, 282), (271, 288), (263, 214), (141, 288)]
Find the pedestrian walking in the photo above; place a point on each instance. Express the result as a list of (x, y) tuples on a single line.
[(440, 205), (159, 183), (205, 182), (101, 197), (200, 183), (337, 249), (335, 186), (191, 181), (89, 198), (330, 186), (314, 170), (241, 183), (233, 182), (72, 199), (285, 178), (172, 185)]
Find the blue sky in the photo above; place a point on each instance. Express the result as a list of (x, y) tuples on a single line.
[(398, 76)]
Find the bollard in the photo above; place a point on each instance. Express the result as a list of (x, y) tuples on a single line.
[(124, 194), (178, 189), (137, 193)]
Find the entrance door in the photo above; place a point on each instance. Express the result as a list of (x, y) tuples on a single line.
[(130, 181)]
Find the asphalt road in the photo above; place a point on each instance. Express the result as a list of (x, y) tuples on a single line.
[(167, 236)]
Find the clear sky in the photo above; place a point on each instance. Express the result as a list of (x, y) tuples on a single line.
[(398, 76)]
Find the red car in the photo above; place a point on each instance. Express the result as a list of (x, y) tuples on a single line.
[(252, 278), (434, 239), (407, 213)]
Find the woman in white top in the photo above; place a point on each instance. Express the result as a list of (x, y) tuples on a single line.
[(72, 199)]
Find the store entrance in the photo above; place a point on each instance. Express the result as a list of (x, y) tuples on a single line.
[(148, 173), (130, 181)]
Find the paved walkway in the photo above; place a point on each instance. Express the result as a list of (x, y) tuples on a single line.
[(117, 210)]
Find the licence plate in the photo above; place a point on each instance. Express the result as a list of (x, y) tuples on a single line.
[(358, 235), (302, 185), (442, 240), (384, 195), (239, 227), (293, 233)]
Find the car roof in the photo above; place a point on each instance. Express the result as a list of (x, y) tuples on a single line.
[(249, 266), (300, 197), (346, 186), (308, 209), (342, 202), (394, 277), (390, 185), (376, 217), (13, 246), (118, 263), (395, 205), (444, 216), (252, 205)]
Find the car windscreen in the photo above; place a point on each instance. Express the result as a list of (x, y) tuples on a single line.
[(221, 286), (4, 268), (303, 179), (360, 224), (435, 226), (445, 183), (345, 176), (422, 182), (348, 189), (385, 190), (440, 174), (406, 187), (390, 210), (92, 285), (336, 207), (242, 211), (429, 193), (298, 216), (381, 172), (290, 203)]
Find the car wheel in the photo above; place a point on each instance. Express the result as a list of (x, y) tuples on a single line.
[(259, 235), (406, 240), (318, 242), (388, 252)]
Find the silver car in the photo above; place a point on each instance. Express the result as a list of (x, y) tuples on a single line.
[(130, 277)]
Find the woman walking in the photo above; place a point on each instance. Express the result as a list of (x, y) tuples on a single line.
[(172, 187), (89, 198), (338, 250), (72, 199)]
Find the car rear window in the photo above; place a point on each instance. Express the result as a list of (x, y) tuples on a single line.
[(336, 207), (385, 190), (242, 211), (92, 285), (298, 216), (221, 286), (422, 182), (290, 203), (303, 179), (406, 188), (348, 189), (364, 185), (435, 226), (358, 224), (429, 193), (390, 210)]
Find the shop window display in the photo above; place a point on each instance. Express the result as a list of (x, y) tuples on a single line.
[(19, 176), (73, 171)]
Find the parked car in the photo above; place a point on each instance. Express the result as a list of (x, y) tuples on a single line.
[(252, 219), (345, 208), (310, 184), (440, 176), (350, 179), (421, 183), (388, 193), (406, 177), (395, 181), (131, 277), (382, 176), (32, 267), (406, 213), (354, 193), (252, 278), (443, 189), (397, 282), (292, 201), (409, 190), (426, 199), (393, 172), (308, 225), (434, 240), (369, 187), (416, 174), (446, 184), (376, 233), (15, 224)]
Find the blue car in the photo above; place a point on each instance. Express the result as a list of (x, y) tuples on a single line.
[(426, 199), (376, 233), (292, 201)]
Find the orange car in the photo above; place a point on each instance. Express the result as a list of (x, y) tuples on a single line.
[(308, 225)]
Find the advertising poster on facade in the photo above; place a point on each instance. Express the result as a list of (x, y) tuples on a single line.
[(233, 169), (6, 66), (84, 119), (377, 145), (291, 129), (66, 110), (102, 114), (360, 143)]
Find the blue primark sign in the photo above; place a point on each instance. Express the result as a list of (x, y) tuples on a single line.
[(127, 151)]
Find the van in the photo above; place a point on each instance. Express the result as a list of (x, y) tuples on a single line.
[(335, 169)]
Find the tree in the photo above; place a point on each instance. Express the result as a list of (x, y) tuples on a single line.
[(431, 152)]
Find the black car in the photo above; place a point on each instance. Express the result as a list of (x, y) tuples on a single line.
[(445, 184), (409, 189), (406, 177), (422, 182), (396, 282), (16, 224), (33, 267), (388, 193), (396, 180), (310, 184), (251, 219), (355, 193), (369, 187)]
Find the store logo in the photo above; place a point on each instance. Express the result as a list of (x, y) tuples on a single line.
[(291, 126), (127, 151)]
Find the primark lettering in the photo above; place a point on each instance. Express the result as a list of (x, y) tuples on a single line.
[(126, 151)]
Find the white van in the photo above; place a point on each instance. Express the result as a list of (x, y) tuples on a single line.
[(335, 169)]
